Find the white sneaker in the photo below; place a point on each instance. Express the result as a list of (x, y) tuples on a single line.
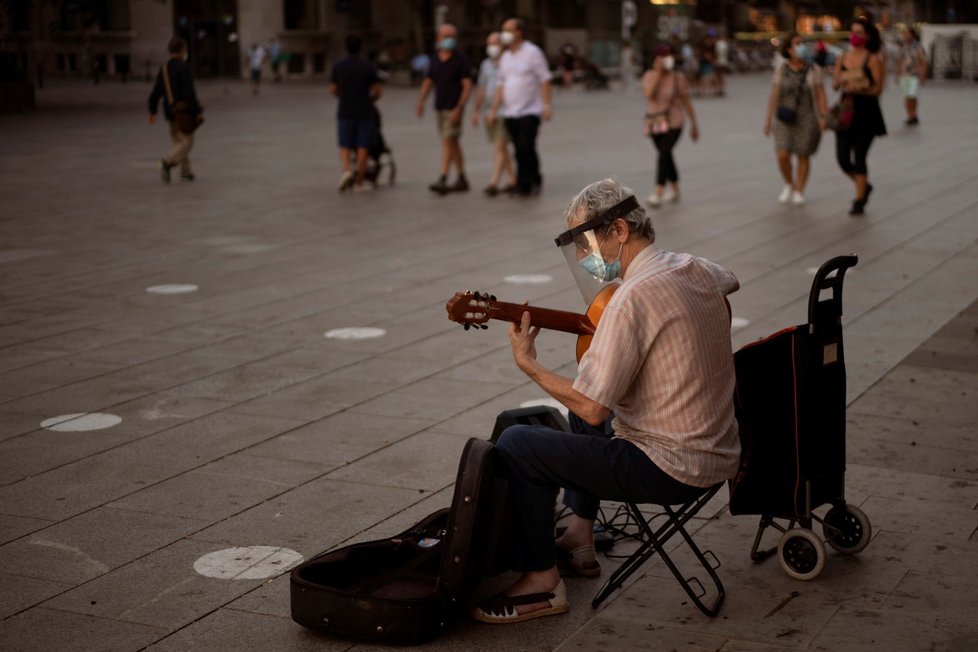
[(366, 186), (346, 180), (797, 198), (670, 196), (785, 195), (653, 199)]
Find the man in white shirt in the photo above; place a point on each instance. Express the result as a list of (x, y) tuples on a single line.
[(256, 58), (523, 94)]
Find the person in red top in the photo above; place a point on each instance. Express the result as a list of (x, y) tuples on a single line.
[(651, 407)]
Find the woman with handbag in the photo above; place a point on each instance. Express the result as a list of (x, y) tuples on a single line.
[(860, 74), (667, 94), (797, 102)]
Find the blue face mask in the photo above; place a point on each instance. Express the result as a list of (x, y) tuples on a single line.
[(596, 266), (447, 43), (801, 51)]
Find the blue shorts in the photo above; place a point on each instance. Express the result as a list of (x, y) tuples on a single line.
[(355, 133)]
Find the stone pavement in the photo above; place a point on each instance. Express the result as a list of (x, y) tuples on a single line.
[(242, 425)]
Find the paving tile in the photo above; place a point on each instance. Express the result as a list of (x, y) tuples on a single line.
[(242, 383), (340, 438), (221, 489), (18, 593), (161, 589), (921, 614), (313, 517), (427, 460), (227, 629), (13, 527), (909, 430), (96, 480), (315, 398), (134, 351), (433, 398), (311, 359), (49, 629), (89, 545), (607, 632), (915, 456)]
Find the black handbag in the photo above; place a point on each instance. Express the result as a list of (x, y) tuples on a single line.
[(187, 117), (786, 114)]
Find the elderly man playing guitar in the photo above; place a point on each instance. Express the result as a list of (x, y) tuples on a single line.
[(651, 406)]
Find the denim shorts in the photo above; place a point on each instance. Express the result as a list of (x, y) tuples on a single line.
[(355, 133)]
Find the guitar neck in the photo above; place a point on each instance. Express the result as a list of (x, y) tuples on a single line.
[(555, 320)]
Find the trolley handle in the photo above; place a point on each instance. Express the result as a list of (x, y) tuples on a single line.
[(829, 276)]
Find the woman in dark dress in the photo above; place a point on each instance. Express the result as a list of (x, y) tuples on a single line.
[(859, 72)]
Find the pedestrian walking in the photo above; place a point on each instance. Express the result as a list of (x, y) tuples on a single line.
[(627, 66), (498, 136), (355, 83), (796, 108), (667, 99), (722, 64), (175, 86), (860, 73), (913, 72), (451, 76), (256, 59), (522, 98), (275, 59)]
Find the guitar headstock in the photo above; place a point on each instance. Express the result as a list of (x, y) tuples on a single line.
[(470, 308)]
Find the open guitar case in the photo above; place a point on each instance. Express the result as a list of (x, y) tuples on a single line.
[(405, 589)]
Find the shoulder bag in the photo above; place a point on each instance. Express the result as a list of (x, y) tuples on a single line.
[(789, 115), (184, 115)]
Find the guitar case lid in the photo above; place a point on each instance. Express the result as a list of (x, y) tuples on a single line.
[(404, 589)]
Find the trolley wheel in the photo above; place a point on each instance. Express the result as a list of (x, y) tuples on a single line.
[(847, 530), (801, 553)]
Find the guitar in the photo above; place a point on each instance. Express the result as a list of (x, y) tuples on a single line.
[(475, 309)]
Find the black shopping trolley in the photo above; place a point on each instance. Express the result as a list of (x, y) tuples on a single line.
[(791, 407)]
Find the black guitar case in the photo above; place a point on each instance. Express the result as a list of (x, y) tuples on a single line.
[(405, 589)]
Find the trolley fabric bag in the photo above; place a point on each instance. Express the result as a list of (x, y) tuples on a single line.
[(405, 589), (790, 405)]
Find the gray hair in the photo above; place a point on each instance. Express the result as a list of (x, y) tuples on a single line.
[(598, 197)]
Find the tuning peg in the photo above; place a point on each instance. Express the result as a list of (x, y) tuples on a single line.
[(466, 326), (492, 297), (484, 327)]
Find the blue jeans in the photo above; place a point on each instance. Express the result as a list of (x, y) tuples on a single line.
[(590, 464)]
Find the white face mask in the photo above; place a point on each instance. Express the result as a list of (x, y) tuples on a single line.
[(507, 38), (493, 51), (668, 62)]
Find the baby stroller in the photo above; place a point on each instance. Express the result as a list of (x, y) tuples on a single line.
[(379, 155), (791, 408)]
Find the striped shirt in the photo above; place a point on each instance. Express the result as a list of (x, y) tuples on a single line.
[(661, 359)]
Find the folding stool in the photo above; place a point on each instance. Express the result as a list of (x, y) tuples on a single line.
[(653, 541)]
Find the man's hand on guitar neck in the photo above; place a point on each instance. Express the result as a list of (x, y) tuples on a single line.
[(522, 339)]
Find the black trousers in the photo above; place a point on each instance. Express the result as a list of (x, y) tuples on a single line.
[(665, 169), (590, 465), (851, 148), (523, 133)]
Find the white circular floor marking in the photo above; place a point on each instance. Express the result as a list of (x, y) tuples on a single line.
[(174, 288), (354, 333), (549, 402), (247, 563), (529, 279), (81, 421), (737, 323)]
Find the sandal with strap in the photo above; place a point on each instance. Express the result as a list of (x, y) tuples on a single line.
[(502, 608), (580, 561)]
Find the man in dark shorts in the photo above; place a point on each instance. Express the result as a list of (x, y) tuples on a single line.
[(451, 75), (355, 82)]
